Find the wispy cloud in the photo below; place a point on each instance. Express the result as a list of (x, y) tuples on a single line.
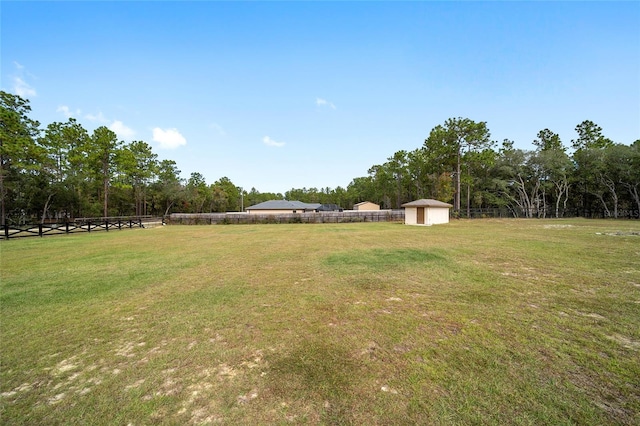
[(168, 138), (323, 102), (218, 128), (20, 85), (121, 130), (23, 89), (98, 118), (66, 111), (270, 142)]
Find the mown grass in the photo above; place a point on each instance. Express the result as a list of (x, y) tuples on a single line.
[(476, 322)]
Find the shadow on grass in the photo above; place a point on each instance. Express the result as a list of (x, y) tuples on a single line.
[(320, 374), (379, 259)]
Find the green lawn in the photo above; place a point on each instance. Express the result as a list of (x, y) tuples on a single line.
[(475, 322)]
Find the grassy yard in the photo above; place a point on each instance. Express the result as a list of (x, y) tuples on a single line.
[(476, 322)]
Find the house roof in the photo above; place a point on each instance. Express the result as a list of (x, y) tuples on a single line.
[(284, 205), (427, 202), (329, 208), (364, 202)]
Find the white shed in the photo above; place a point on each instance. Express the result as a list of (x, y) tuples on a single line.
[(426, 212)]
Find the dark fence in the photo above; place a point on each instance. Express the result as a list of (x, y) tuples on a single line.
[(351, 216), (85, 224), (378, 216), (312, 217), (542, 214)]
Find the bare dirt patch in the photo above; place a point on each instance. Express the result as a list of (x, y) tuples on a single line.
[(625, 342)]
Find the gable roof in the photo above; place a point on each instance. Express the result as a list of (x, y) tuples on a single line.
[(328, 208), (427, 202), (283, 205), (364, 202)]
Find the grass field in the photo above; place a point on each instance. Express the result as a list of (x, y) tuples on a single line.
[(476, 322)]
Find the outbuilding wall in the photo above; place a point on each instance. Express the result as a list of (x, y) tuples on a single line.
[(366, 206), (432, 216), (411, 216), (435, 215)]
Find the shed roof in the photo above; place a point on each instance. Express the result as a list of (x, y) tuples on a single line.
[(283, 205), (364, 202), (427, 202)]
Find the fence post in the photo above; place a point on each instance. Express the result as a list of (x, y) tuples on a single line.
[(6, 231), (89, 226), (40, 229), (106, 224)]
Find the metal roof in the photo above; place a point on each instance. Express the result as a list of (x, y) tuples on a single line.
[(427, 202)]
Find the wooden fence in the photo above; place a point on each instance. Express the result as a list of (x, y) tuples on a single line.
[(312, 217), (365, 216), (80, 225)]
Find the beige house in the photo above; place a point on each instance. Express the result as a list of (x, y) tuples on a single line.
[(366, 205), (426, 212)]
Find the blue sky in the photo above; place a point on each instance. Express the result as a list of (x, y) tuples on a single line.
[(281, 95)]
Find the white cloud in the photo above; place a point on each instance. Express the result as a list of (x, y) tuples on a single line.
[(169, 138), (99, 117), (22, 88), (121, 130), (270, 142), (66, 111), (324, 102), (18, 65)]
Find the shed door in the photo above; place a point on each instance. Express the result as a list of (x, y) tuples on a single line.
[(420, 220)]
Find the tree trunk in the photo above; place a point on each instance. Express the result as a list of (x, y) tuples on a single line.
[(2, 195), (633, 191), (468, 201), (106, 197), (166, 212), (526, 199), (604, 204), (46, 207), (457, 195), (562, 190), (611, 186), (3, 190)]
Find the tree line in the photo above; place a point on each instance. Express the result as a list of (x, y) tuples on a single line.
[(459, 163), (62, 171)]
